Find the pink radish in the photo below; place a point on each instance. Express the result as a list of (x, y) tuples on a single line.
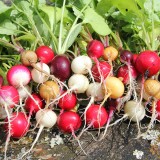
[(69, 122), (18, 75), (148, 62), (101, 70), (9, 96), (68, 101), (45, 118), (45, 54), (1, 81)]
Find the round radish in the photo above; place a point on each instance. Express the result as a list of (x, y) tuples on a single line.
[(1, 81), (37, 75), (33, 103), (69, 122), (126, 56), (148, 62), (24, 92), (61, 67), (134, 111), (123, 72), (9, 96), (110, 53), (19, 125), (45, 54), (78, 82), (68, 101), (18, 75), (81, 65), (96, 116), (101, 70), (95, 49)]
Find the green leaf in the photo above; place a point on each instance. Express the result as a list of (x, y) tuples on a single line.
[(96, 21), (8, 28), (27, 37), (4, 7), (72, 36), (53, 14)]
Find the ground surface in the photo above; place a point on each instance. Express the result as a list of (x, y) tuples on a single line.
[(119, 144)]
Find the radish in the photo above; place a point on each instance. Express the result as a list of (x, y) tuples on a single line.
[(3, 113), (110, 53), (1, 81), (24, 92), (18, 75), (148, 62), (68, 101), (96, 116), (152, 88), (123, 72), (81, 65), (33, 104), (134, 58), (16, 126), (9, 96), (101, 70), (61, 67), (37, 75), (45, 118), (95, 49), (78, 82), (126, 56), (49, 90), (69, 122), (45, 54)]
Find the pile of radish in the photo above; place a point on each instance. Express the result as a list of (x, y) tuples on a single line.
[(49, 88)]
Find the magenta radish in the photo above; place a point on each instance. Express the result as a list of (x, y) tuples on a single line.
[(18, 75), (68, 101), (45, 118), (81, 65), (148, 62), (101, 70), (45, 54), (37, 75), (123, 72), (69, 122), (33, 103), (61, 67), (9, 96), (19, 124), (1, 81), (126, 56), (95, 49), (78, 83), (16, 126), (96, 116)]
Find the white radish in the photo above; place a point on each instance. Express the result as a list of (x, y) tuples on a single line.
[(37, 75), (78, 82), (81, 64)]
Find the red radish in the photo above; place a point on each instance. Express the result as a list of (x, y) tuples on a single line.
[(148, 62), (96, 116), (33, 103), (18, 75), (9, 96), (45, 54), (37, 75), (61, 67), (134, 59), (123, 72), (45, 118), (101, 70), (19, 124), (95, 49), (68, 101), (69, 122)]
